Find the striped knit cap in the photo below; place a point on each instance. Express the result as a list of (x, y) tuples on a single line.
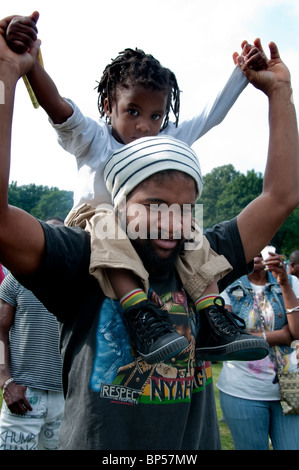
[(135, 162)]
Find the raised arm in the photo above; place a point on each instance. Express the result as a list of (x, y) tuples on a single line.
[(261, 219), (21, 33), (217, 109), (291, 301), (21, 236)]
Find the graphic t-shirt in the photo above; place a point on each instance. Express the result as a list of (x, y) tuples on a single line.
[(114, 399)]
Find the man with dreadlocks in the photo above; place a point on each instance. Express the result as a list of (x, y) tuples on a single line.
[(136, 96)]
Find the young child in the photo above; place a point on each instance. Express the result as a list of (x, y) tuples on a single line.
[(136, 96)]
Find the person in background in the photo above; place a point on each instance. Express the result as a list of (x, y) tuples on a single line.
[(266, 300), (293, 267), (30, 375), (55, 220)]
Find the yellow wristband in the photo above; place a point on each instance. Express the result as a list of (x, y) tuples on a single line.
[(28, 86)]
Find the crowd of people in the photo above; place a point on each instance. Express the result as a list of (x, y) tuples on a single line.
[(140, 318)]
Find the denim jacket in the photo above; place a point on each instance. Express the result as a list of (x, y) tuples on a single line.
[(241, 295)]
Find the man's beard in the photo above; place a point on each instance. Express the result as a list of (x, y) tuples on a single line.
[(151, 261)]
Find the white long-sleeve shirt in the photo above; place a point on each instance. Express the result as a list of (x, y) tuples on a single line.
[(92, 142)]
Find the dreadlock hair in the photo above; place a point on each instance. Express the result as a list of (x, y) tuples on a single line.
[(134, 67)]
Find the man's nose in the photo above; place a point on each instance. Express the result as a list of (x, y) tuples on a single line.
[(170, 223), (175, 225)]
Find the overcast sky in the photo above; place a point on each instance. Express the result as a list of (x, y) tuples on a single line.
[(194, 38)]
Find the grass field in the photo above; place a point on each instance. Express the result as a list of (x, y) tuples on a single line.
[(226, 440)]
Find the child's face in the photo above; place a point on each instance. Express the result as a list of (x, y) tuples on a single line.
[(137, 112)]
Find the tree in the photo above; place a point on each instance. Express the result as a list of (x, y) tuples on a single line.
[(40, 201), (27, 196), (215, 184), (55, 203), (286, 239), (239, 193), (226, 192)]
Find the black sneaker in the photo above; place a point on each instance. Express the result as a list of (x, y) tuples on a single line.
[(222, 337), (152, 334)]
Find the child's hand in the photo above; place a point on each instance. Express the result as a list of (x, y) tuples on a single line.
[(268, 77), (19, 64), (21, 32), (253, 55)]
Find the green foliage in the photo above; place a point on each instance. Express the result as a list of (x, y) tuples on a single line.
[(55, 203), (26, 197), (225, 435), (239, 193), (227, 192), (40, 201), (215, 183), (286, 239)]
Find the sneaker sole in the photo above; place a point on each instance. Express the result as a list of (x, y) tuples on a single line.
[(246, 350), (167, 351)]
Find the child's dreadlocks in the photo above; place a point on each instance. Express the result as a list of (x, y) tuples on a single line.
[(134, 67)]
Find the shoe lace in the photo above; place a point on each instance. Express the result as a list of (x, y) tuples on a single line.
[(225, 320), (152, 323)]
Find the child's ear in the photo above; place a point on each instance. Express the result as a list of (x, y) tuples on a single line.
[(107, 107)]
